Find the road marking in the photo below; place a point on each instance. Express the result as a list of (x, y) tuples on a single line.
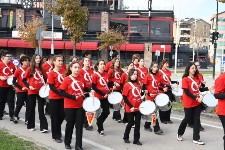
[(205, 124), (84, 140)]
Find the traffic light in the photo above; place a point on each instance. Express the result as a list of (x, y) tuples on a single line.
[(216, 35), (212, 38)]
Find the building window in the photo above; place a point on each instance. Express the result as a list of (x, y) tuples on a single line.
[(205, 27), (204, 40), (221, 27)]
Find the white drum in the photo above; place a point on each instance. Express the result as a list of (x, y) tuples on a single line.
[(44, 91), (147, 107), (115, 97), (163, 102), (91, 104), (177, 92), (210, 101), (10, 80)]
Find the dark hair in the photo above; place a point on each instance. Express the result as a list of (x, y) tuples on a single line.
[(113, 69), (68, 71), (86, 53), (163, 62), (136, 56), (114, 55), (54, 59), (72, 57), (186, 72), (50, 57), (152, 64), (128, 64), (24, 58), (3, 53), (130, 73), (33, 65), (96, 65)]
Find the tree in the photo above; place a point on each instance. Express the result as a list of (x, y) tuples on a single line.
[(75, 18), (113, 37), (29, 30)]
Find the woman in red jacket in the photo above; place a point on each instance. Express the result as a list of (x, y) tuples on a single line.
[(192, 103), (34, 79), (21, 89), (142, 71), (220, 95), (101, 91), (56, 103), (114, 76), (151, 88), (73, 88), (86, 72), (7, 92), (132, 98)]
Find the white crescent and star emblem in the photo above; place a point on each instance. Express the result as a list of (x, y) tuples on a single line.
[(87, 77), (134, 90), (117, 75), (3, 71), (60, 78), (35, 76), (194, 87), (73, 86)]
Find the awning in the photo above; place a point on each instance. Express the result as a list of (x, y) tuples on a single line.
[(4, 42), (122, 47), (69, 45), (57, 44), (89, 45), (135, 47), (161, 48), (19, 43)]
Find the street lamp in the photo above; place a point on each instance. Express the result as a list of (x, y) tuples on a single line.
[(164, 50)]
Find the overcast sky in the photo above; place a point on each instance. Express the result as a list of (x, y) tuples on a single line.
[(203, 9)]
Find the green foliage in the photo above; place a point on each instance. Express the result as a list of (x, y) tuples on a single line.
[(75, 17)]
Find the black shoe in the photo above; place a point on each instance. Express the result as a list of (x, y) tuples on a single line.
[(170, 122), (126, 141), (5, 113), (201, 128), (159, 132), (148, 129), (79, 148), (15, 120), (165, 122), (58, 140), (89, 128), (68, 147), (137, 142), (11, 118), (119, 121)]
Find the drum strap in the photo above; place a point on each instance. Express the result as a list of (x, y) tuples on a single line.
[(101, 78), (140, 71), (87, 75), (132, 85), (193, 81), (166, 77), (58, 73), (40, 76), (21, 68), (75, 81)]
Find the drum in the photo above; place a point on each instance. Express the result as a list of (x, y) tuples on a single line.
[(147, 107), (10, 80), (177, 92), (115, 97), (162, 101), (91, 104), (210, 101), (44, 91), (147, 118)]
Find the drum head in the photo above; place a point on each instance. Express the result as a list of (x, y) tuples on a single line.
[(210, 100), (147, 107), (162, 100), (177, 92), (10, 80), (91, 104), (44, 91), (115, 97)]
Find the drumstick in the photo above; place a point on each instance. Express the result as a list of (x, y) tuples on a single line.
[(177, 85)]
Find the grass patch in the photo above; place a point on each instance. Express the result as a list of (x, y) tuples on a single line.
[(177, 106), (11, 142)]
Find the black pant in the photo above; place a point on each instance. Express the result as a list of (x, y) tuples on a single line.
[(7, 94), (21, 98), (105, 112), (125, 120), (133, 118), (156, 127), (190, 113), (222, 119), (31, 112), (56, 107), (165, 115), (74, 116)]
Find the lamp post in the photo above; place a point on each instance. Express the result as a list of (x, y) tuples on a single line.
[(164, 50), (52, 45)]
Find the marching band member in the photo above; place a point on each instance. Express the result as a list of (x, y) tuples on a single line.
[(86, 72), (135, 60), (72, 89), (73, 59), (114, 76), (220, 95), (7, 93), (192, 103), (47, 66), (123, 81), (56, 102), (142, 71), (132, 98), (109, 64), (21, 89), (165, 87), (151, 88), (34, 79), (101, 91), (88, 55)]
